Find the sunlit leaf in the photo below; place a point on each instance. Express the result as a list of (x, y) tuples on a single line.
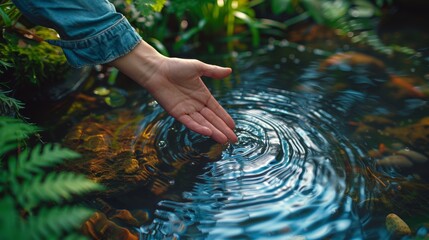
[(6, 19), (253, 25)]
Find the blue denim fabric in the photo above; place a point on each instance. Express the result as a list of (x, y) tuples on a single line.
[(91, 31)]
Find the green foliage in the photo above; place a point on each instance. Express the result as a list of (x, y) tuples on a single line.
[(13, 134), (9, 106), (9, 13), (355, 19), (35, 202), (148, 6), (32, 61), (145, 16), (24, 56), (211, 21), (51, 223)]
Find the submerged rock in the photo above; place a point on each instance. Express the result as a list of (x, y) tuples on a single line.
[(396, 225), (121, 156), (395, 161), (416, 134), (100, 227), (413, 155)]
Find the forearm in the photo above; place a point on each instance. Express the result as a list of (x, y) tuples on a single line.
[(140, 64)]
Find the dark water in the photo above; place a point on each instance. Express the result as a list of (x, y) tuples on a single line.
[(302, 168), (290, 174), (299, 170)]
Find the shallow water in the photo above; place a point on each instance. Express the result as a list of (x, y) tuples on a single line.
[(291, 173), (302, 168), (297, 169)]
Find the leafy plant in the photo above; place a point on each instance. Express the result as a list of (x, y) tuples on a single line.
[(144, 16), (9, 106), (207, 21), (32, 60), (9, 13), (35, 202), (24, 55), (355, 19)]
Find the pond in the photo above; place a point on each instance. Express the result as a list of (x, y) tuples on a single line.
[(333, 139)]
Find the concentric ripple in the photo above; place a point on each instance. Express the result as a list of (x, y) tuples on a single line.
[(291, 174)]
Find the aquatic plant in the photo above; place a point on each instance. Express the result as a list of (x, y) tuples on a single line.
[(35, 201)]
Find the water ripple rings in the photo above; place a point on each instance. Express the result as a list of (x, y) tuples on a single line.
[(290, 175)]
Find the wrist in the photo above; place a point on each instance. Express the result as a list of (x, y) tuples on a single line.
[(141, 63)]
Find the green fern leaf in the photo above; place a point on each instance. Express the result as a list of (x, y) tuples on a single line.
[(55, 187), (53, 222), (34, 162), (12, 132), (8, 104)]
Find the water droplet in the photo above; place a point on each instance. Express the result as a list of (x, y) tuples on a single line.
[(152, 103), (162, 144)]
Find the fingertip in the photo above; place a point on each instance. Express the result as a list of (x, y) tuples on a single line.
[(215, 71), (234, 139)]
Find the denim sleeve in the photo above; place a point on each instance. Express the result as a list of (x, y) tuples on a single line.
[(91, 31)]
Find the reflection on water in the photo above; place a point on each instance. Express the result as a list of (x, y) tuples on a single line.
[(301, 168), (290, 174), (329, 145)]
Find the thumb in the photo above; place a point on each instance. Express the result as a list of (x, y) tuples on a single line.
[(214, 71)]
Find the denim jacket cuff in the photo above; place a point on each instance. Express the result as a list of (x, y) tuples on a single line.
[(106, 46)]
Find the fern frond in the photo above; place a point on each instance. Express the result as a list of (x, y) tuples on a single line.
[(12, 132), (33, 161), (55, 187), (53, 222), (8, 104)]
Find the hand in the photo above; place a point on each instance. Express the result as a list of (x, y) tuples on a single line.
[(177, 86)]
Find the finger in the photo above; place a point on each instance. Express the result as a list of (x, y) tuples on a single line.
[(218, 110), (219, 124), (217, 135), (214, 71), (195, 126)]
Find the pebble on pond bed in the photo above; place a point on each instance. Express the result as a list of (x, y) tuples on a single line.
[(396, 225), (395, 161)]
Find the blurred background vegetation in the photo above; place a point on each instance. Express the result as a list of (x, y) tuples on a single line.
[(33, 199), (178, 27)]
